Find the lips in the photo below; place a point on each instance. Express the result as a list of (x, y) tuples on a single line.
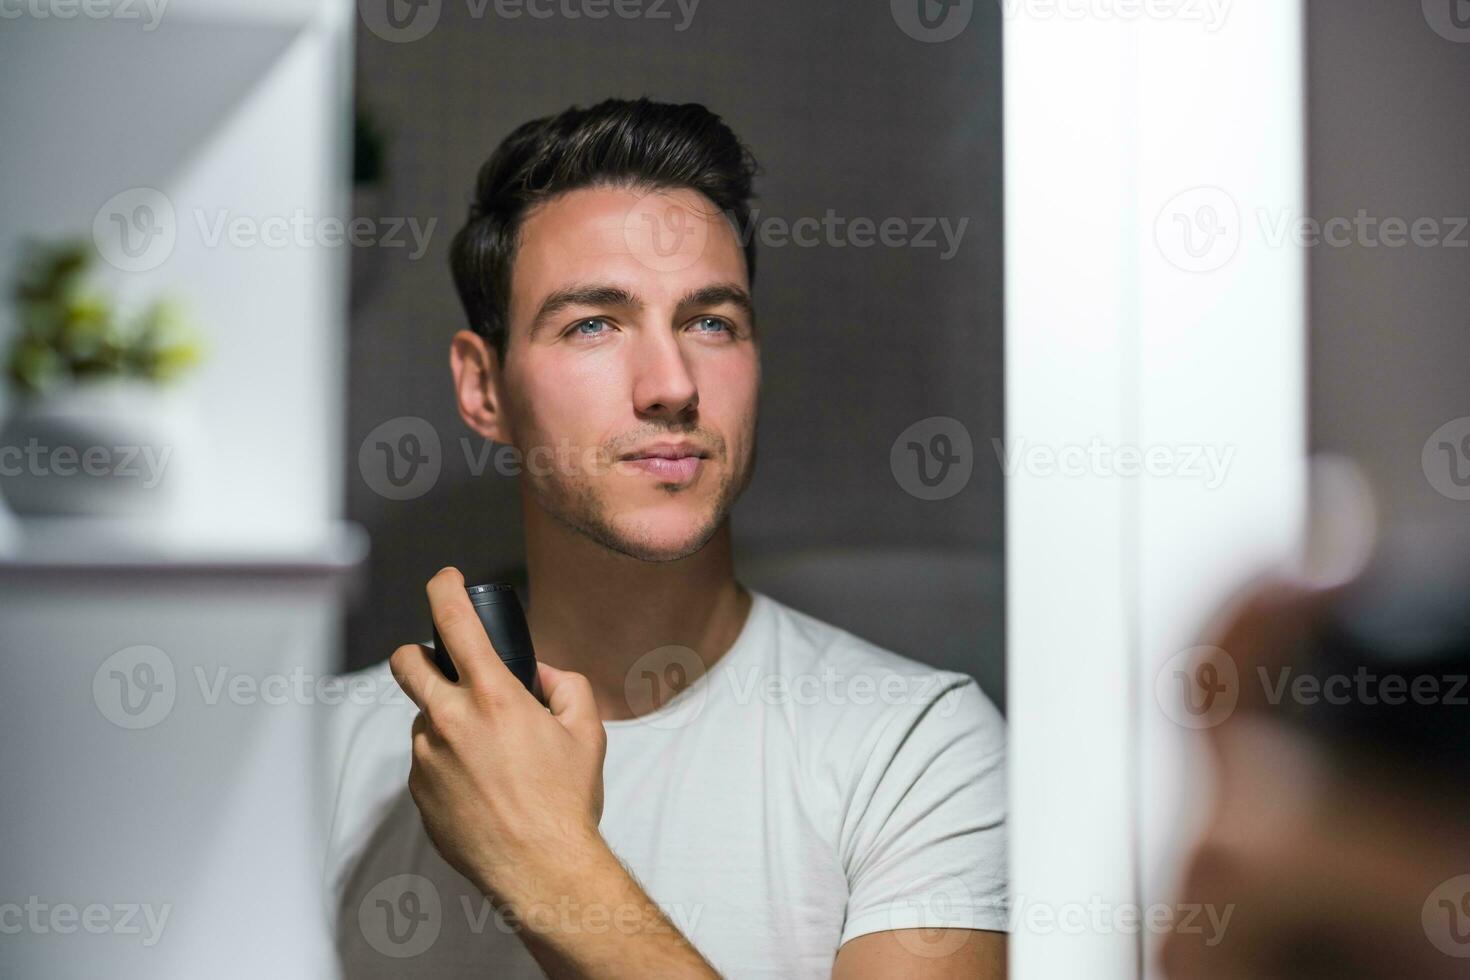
[(670, 469), (669, 463)]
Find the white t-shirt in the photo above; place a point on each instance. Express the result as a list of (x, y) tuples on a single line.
[(809, 788)]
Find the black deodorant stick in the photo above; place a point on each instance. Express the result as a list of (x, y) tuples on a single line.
[(505, 623)]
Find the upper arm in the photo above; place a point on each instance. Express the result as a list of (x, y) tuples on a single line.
[(925, 954), (923, 842)]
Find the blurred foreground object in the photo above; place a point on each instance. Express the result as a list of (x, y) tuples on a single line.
[(1339, 836), (93, 430)]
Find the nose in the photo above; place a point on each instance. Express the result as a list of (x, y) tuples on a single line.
[(662, 384)]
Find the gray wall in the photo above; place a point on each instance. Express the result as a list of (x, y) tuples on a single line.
[(1389, 126), (844, 111)]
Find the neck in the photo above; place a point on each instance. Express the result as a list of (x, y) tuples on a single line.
[(597, 612)]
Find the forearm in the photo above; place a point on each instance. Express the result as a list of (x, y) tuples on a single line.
[(588, 917)]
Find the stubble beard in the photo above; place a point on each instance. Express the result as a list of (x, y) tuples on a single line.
[(576, 502)]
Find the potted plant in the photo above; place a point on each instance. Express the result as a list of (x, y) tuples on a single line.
[(94, 428)]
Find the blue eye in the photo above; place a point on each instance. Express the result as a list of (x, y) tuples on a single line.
[(580, 328), (704, 322)]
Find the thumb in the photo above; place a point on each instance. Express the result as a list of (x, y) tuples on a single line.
[(569, 696)]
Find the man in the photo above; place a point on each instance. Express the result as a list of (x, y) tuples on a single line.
[(718, 784)]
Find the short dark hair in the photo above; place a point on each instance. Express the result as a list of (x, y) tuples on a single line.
[(618, 142)]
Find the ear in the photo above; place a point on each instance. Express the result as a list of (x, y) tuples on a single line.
[(478, 386)]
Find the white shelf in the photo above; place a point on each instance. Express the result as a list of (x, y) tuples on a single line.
[(100, 545)]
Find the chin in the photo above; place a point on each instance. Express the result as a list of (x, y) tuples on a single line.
[(648, 524), (666, 531), (661, 536)]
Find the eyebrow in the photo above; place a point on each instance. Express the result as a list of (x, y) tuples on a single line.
[(608, 295)]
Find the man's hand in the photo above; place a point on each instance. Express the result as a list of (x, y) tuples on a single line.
[(506, 788), (511, 795)]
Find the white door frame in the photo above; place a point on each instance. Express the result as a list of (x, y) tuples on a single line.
[(1155, 422)]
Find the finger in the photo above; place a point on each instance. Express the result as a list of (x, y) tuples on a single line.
[(464, 637), (569, 696), (413, 668)]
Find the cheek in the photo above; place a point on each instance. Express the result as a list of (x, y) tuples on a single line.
[(728, 394), (563, 402)]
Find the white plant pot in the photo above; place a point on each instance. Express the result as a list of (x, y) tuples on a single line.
[(114, 449)]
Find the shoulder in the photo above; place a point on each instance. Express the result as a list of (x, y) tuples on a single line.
[(904, 769), (854, 698), (861, 678)]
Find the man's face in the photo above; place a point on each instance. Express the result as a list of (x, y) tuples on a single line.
[(631, 334)]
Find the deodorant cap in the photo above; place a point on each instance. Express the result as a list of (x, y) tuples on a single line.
[(487, 593)]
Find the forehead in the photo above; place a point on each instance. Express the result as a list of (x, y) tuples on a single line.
[(657, 244)]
